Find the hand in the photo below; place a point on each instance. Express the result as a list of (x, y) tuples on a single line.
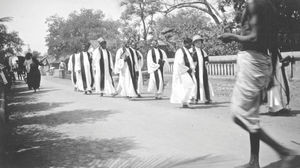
[(190, 70), (226, 37)]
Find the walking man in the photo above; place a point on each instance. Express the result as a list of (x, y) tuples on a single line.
[(157, 63), (203, 89), (184, 82), (71, 68), (258, 35), (103, 67)]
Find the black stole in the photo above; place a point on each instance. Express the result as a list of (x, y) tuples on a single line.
[(285, 82), (102, 70), (160, 68), (73, 69), (131, 66), (205, 77), (91, 69), (83, 71)]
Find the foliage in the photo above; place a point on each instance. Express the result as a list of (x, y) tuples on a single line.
[(142, 9), (187, 23), (10, 42), (66, 36)]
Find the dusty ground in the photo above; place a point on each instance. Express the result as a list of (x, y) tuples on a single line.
[(58, 127)]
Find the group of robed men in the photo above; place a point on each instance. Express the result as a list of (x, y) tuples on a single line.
[(94, 70)]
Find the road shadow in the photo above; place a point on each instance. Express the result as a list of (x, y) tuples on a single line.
[(207, 106), (41, 148), (65, 117), (293, 164), (292, 113)]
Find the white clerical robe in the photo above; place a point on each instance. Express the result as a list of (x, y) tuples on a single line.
[(71, 68), (140, 64), (127, 70), (279, 95), (156, 71), (83, 70), (204, 90), (183, 82), (103, 67)]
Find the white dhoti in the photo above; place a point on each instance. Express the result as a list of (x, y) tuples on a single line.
[(253, 77)]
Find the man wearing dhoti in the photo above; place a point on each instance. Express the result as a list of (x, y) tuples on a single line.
[(279, 95), (204, 89), (103, 67), (157, 63), (258, 35), (126, 67), (83, 68), (71, 68), (184, 82)]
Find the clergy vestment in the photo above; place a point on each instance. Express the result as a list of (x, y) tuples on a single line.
[(279, 95), (71, 68), (183, 82), (204, 89), (103, 67), (157, 63), (139, 66), (126, 66), (84, 72)]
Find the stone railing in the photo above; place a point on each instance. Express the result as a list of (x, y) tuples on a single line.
[(225, 66)]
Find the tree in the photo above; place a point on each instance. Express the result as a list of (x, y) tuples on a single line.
[(142, 9), (67, 36), (201, 5), (10, 42)]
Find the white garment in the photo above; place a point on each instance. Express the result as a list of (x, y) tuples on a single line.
[(107, 84), (183, 85), (71, 68), (83, 71), (140, 64), (155, 72), (126, 83), (278, 96)]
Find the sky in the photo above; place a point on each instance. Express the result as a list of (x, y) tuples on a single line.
[(29, 16)]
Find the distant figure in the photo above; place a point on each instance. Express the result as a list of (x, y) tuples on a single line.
[(157, 63), (71, 68), (33, 72), (184, 81), (62, 65), (204, 90), (279, 95), (103, 67), (83, 68), (258, 35), (126, 66)]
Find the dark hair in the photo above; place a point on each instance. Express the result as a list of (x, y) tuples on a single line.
[(187, 41), (28, 56)]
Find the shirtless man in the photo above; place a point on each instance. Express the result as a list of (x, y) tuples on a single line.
[(258, 36)]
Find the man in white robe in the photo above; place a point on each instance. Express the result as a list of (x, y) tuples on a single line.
[(157, 63), (204, 89), (83, 68), (184, 82), (126, 66), (71, 68), (139, 66), (103, 67)]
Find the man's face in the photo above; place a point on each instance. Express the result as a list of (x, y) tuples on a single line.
[(199, 43), (103, 45), (154, 43), (187, 45)]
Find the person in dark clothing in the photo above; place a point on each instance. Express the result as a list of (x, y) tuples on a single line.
[(33, 72)]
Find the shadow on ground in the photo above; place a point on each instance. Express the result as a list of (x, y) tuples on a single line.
[(294, 163), (292, 113), (65, 117)]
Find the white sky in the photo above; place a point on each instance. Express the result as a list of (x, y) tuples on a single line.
[(29, 16)]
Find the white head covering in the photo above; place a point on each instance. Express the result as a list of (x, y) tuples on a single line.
[(100, 40), (197, 37)]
